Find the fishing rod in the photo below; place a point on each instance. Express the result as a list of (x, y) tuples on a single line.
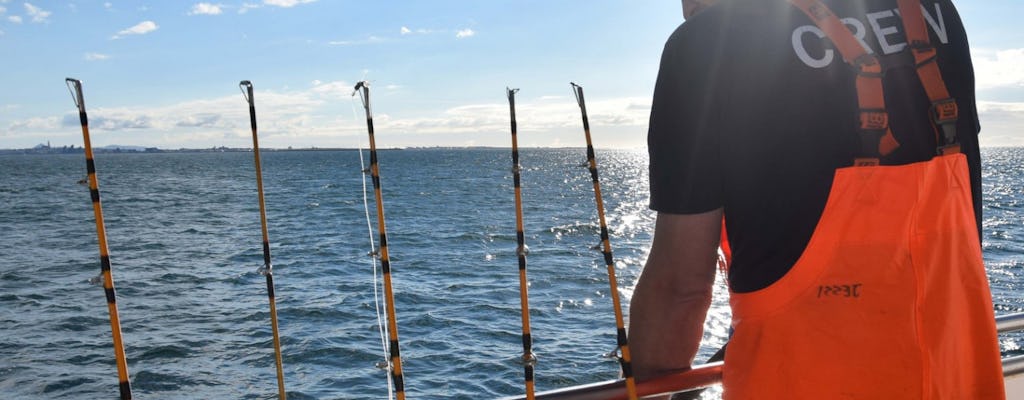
[(267, 269), (125, 386), (363, 88), (529, 360), (623, 342)]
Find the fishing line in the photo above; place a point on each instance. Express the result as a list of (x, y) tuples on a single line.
[(529, 360), (389, 297), (267, 269), (381, 327), (623, 342), (106, 276)]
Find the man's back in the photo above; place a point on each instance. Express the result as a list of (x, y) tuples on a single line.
[(845, 162), (755, 110)]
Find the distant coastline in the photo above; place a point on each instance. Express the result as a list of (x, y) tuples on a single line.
[(47, 149)]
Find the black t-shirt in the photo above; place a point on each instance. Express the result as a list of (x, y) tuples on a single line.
[(754, 110)]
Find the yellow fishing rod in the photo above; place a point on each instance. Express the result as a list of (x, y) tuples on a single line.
[(267, 269), (529, 360), (363, 88), (623, 342), (125, 386)]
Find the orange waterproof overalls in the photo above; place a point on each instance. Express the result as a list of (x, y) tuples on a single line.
[(890, 299)]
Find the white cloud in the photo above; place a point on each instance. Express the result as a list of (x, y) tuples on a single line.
[(247, 6), (108, 5), (285, 118), (141, 28), (542, 114), (368, 40), (15, 19), (336, 89), (200, 120), (286, 3), (111, 121), (3, 9), (96, 57), (998, 68), (38, 14), (465, 33), (406, 31), (205, 9), (1000, 123), (36, 124)]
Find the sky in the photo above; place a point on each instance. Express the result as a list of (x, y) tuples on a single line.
[(165, 73)]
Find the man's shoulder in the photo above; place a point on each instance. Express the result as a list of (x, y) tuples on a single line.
[(730, 24)]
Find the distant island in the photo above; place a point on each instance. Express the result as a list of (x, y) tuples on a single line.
[(48, 149)]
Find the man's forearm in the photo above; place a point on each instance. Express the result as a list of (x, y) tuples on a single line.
[(666, 327), (672, 297)]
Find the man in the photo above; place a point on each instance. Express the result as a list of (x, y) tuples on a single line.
[(838, 139)]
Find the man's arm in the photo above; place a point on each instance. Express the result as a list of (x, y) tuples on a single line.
[(671, 300)]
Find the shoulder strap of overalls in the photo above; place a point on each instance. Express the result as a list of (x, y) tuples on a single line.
[(877, 139), (944, 111)]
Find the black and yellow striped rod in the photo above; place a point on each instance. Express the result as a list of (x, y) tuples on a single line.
[(397, 379), (125, 386), (627, 368), (529, 359), (268, 268)]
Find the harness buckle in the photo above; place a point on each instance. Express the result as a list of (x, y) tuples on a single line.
[(945, 113), (874, 120), (873, 127)]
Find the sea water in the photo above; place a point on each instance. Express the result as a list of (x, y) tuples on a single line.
[(185, 245)]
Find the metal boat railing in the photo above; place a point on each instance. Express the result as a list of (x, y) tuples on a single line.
[(1012, 366), (711, 374)]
